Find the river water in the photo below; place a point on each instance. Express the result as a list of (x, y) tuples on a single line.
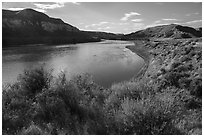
[(107, 61)]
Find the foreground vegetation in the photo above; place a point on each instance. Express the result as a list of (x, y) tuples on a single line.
[(165, 100)]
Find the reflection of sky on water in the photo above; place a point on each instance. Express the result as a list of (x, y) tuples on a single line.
[(107, 61)]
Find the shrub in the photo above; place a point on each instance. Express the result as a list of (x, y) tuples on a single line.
[(79, 106), (33, 81), (132, 90), (184, 82), (196, 87), (15, 109), (175, 64), (185, 58), (172, 78), (32, 130), (146, 116)]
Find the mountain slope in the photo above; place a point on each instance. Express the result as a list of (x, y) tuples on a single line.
[(104, 35), (166, 31), (30, 27)]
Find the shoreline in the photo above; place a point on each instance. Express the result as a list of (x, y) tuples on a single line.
[(141, 51)]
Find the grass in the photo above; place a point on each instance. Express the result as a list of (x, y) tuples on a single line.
[(39, 103)]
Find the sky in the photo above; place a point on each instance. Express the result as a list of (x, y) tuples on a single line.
[(117, 17)]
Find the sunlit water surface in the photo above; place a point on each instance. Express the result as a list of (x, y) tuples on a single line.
[(107, 61)]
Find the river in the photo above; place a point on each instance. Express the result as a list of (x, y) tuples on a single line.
[(107, 61)]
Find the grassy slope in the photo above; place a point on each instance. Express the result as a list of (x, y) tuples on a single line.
[(166, 99), (178, 64)]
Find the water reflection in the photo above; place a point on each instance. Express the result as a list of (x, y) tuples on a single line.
[(107, 61)]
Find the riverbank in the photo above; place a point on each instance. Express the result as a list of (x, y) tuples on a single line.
[(143, 52), (140, 50)]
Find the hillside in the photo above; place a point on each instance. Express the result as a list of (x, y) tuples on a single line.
[(166, 31), (174, 71), (32, 27), (104, 35)]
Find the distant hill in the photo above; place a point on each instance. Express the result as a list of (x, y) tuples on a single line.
[(166, 31), (32, 27), (104, 35)]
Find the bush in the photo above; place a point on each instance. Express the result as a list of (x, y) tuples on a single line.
[(32, 130), (41, 104), (72, 104), (149, 116), (196, 87), (185, 58), (15, 109), (34, 81), (175, 64)]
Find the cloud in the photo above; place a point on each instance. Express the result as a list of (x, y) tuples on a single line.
[(50, 6), (128, 15), (157, 21), (103, 22), (123, 23), (162, 22), (194, 21), (17, 9), (190, 14), (138, 24), (169, 19), (159, 3), (137, 20), (104, 28), (98, 24), (153, 25), (76, 3)]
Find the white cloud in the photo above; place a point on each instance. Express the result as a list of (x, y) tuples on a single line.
[(76, 3), (153, 25), (87, 26), (123, 23), (103, 22), (157, 21), (137, 20), (162, 22), (169, 19), (138, 24), (194, 21), (17, 9), (190, 14), (98, 24), (128, 15), (105, 29), (159, 3), (50, 6)]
